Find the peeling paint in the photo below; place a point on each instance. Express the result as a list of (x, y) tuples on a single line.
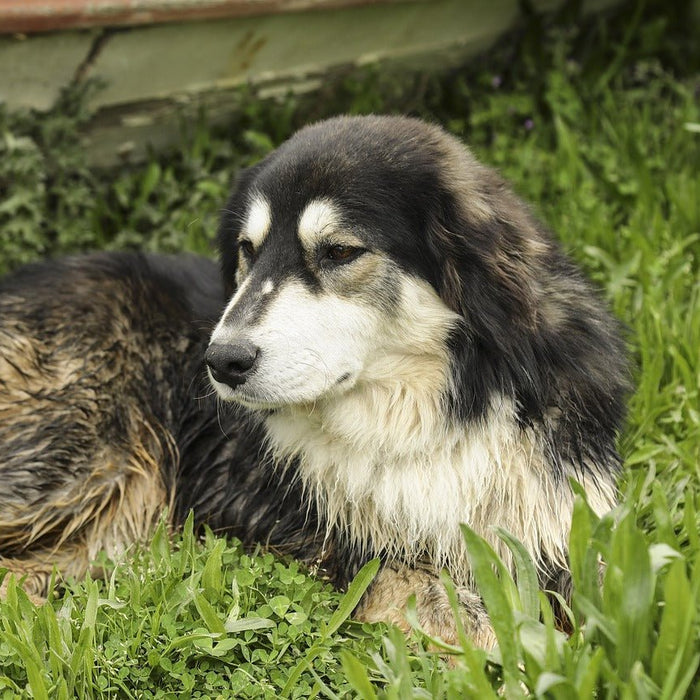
[(50, 15)]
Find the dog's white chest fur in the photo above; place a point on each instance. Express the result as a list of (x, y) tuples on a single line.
[(387, 472)]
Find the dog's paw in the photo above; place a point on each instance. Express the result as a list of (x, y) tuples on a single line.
[(387, 598)]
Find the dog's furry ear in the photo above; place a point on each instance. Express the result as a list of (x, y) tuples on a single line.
[(534, 328), (492, 253), (232, 217), (489, 248)]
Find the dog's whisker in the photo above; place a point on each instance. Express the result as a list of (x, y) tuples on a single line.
[(211, 392)]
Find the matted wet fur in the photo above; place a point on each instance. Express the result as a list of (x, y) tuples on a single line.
[(400, 346)]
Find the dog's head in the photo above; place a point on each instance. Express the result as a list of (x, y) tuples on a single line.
[(364, 243)]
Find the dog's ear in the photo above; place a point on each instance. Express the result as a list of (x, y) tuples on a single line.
[(232, 217), (488, 249), (489, 255), (533, 326)]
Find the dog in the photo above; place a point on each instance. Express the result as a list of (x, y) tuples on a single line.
[(398, 346)]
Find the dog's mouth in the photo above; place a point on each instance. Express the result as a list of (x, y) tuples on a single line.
[(249, 394), (238, 393), (255, 403)]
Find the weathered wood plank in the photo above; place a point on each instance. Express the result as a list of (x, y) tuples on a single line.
[(153, 72)]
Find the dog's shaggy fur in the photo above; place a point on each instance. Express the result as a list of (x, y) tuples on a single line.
[(402, 348)]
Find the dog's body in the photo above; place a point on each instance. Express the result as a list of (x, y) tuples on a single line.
[(106, 417), (411, 350)]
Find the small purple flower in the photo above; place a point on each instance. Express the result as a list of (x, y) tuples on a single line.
[(496, 81), (528, 124)]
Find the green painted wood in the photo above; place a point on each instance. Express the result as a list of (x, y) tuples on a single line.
[(34, 70), (151, 72)]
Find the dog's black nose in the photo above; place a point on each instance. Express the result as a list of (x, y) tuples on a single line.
[(231, 364)]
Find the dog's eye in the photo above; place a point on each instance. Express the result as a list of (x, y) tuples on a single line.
[(342, 253), (247, 248)]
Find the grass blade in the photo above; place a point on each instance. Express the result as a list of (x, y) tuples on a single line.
[(526, 575), (355, 591), (348, 603), (356, 674), (483, 560)]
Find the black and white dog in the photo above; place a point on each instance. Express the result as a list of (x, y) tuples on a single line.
[(402, 348)]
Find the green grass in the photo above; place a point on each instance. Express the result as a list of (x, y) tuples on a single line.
[(597, 125)]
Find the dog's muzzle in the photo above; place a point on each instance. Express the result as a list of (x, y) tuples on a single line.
[(231, 364)]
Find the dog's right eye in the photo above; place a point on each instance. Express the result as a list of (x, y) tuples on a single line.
[(340, 254), (247, 248)]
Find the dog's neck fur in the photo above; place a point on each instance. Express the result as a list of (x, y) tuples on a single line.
[(386, 472), (396, 476)]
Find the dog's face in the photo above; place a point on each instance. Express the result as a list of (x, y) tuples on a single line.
[(324, 243), (374, 259), (378, 248)]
